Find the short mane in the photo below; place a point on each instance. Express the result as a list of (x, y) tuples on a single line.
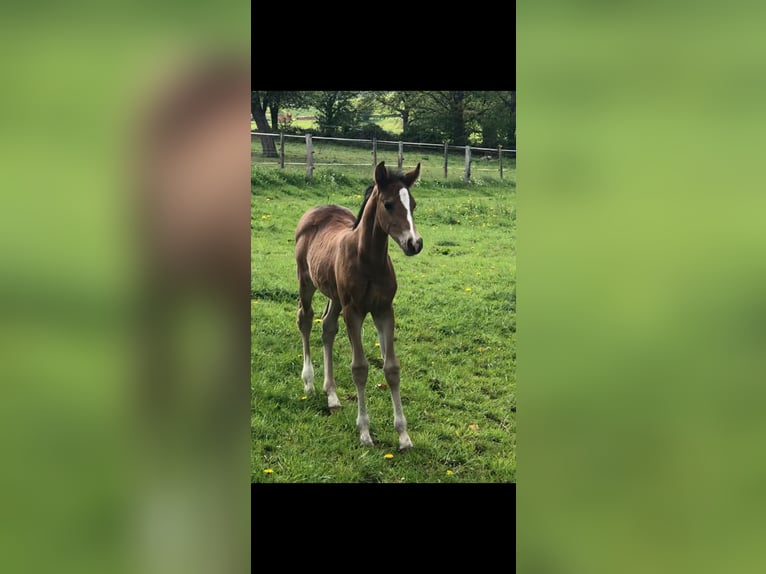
[(367, 194)]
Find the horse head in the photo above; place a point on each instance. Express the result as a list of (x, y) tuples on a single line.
[(396, 207)]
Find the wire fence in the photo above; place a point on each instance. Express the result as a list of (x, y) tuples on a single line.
[(359, 156)]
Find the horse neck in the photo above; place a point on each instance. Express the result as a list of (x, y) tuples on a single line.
[(372, 241)]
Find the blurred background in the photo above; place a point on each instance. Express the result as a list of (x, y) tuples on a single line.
[(642, 287), (124, 270)]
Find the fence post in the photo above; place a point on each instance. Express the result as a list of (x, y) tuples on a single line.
[(467, 176), (400, 158), (500, 158), (282, 150), (445, 160), (309, 158), (374, 152)]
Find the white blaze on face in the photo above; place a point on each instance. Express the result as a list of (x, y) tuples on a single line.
[(404, 195)]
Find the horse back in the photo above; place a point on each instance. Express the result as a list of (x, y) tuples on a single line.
[(317, 239), (324, 224)]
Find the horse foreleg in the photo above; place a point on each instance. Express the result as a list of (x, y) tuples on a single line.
[(329, 330), (305, 318), (384, 322), (359, 370)]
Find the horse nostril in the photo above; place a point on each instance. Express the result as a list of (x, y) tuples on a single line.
[(415, 246)]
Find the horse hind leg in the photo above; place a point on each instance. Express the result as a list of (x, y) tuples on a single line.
[(329, 330), (305, 319)]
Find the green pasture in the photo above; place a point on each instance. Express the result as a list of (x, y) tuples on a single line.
[(455, 337)]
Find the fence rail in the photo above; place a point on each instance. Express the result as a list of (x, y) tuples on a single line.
[(310, 162)]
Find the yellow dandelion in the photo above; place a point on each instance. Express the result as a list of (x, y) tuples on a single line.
[(377, 343), (467, 289), (268, 471), (317, 320), (304, 397), (450, 473), (388, 456)]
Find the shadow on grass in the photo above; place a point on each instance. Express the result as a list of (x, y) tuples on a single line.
[(278, 294)]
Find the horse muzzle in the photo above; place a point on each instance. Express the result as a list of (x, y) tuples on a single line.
[(412, 246)]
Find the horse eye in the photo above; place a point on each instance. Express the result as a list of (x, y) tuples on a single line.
[(389, 205)]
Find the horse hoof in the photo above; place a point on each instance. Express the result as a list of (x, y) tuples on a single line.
[(333, 403), (366, 440), (405, 444)]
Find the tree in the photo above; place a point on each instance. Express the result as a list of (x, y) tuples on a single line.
[(403, 104), (458, 116), (281, 100), (273, 101), (336, 111), (442, 115), (495, 116), (259, 102)]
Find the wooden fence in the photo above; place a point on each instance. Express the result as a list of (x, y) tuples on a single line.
[(310, 162)]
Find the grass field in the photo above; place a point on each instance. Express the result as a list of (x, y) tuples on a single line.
[(455, 337)]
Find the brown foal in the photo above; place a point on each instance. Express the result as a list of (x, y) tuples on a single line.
[(347, 259)]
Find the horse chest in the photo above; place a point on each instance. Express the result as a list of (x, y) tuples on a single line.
[(381, 294), (368, 292)]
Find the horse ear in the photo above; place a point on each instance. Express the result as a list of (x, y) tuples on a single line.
[(381, 173), (412, 176)]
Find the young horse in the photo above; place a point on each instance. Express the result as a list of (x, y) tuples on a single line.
[(347, 259)]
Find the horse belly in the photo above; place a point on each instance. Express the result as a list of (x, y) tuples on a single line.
[(321, 264)]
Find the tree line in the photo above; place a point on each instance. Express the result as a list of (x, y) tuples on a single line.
[(453, 117)]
